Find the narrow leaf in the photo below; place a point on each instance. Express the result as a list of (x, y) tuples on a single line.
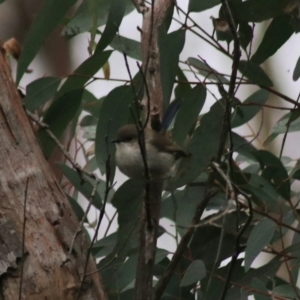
[(260, 237), (206, 71), (58, 116), (114, 113), (257, 10), (195, 272), (250, 107), (51, 13), (197, 6), (85, 71), (188, 113), (84, 187), (296, 73), (202, 153), (255, 73), (40, 91), (170, 46), (115, 17), (128, 46), (277, 33)]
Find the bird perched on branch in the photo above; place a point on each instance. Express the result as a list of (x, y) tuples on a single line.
[(161, 153)]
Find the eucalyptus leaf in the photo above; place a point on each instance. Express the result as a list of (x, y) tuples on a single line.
[(114, 19), (49, 16), (85, 71), (170, 46), (290, 121), (254, 73), (201, 153), (274, 172), (276, 35), (261, 189), (206, 71), (128, 46), (287, 290), (258, 10), (77, 209), (188, 113), (84, 187), (261, 292), (260, 237), (114, 112), (58, 116), (195, 272), (197, 6), (296, 73), (250, 107), (40, 91)]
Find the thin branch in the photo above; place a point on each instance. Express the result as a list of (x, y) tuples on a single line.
[(23, 239), (108, 187), (165, 278)]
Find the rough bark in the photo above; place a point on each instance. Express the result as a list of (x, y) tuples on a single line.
[(42, 265), (153, 107)]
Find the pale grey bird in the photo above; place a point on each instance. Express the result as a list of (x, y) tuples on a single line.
[(161, 155)]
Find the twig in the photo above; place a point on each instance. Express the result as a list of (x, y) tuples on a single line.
[(23, 239), (79, 228), (163, 281), (67, 155), (108, 187)]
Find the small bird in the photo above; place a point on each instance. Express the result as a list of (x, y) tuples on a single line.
[(161, 153)]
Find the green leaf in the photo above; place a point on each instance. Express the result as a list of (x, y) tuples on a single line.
[(258, 10), (115, 17), (243, 147), (249, 108), (254, 73), (49, 16), (296, 73), (202, 153), (84, 187), (114, 113), (206, 71), (245, 34), (180, 206), (170, 46), (260, 237), (261, 189), (195, 272), (290, 121), (188, 113), (127, 200), (76, 208), (82, 20), (58, 116), (40, 91), (277, 33), (263, 273), (261, 292), (128, 46), (104, 246), (85, 71), (287, 291), (205, 242), (197, 6), (183, 87), (274, 172)]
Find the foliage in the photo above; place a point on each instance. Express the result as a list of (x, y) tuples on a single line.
[(256, 204)]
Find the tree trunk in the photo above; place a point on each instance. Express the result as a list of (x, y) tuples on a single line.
[(34, 262)]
